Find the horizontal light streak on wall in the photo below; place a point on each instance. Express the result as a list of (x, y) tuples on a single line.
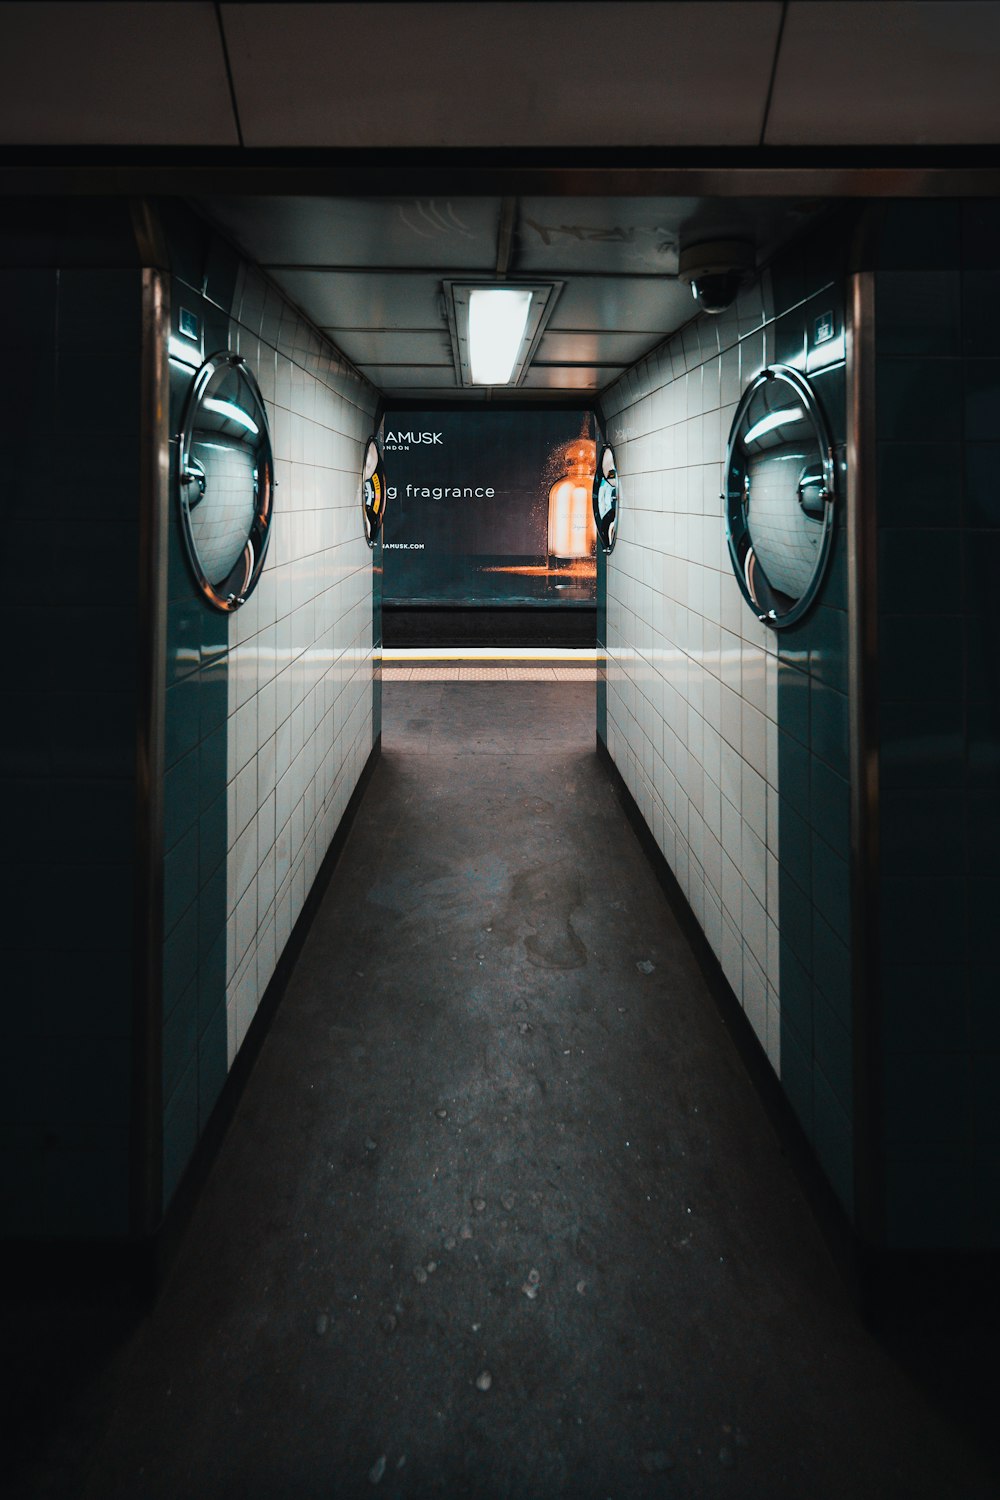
[(183, 352), (581, 654)]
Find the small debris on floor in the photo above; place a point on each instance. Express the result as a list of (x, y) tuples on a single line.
[(322, 1324), (442, 1114), (534, 1277), (581, 1287), (523, 1027), (389, 1323), (419, 1275), (479, 1204), (377, 1470), (466, 1231), (450, 1242), (370, 1145), (644, 966), (657, 1462), (432, 1266), (484, 1380), (508, 1200)]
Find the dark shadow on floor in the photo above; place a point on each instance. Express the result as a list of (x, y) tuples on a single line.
[(500, 1215)]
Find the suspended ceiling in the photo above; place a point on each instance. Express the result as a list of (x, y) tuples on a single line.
[(371, 273), (689, 73)]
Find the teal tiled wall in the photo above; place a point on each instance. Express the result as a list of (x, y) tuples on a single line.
[(69, 570), (271, 712), (814, 971), (938, 430), (194, 1046)]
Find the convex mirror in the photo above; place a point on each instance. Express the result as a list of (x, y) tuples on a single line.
[(226, 480), (606, 497), (373, 490), (779, 495)]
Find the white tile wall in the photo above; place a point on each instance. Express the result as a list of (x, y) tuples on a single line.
[(692, 681), (300, 649)]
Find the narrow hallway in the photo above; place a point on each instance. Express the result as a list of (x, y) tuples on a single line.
[(500, 1214)]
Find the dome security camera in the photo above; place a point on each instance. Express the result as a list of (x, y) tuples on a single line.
[(715, 270)]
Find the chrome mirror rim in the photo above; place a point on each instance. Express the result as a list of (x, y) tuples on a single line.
[(373, 523), (607, 526), (226, 599), (812, 412)]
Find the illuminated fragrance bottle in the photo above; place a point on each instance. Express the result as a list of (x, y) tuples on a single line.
[(572, 532)]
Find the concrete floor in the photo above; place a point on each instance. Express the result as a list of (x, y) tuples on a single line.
[(498, 1137)]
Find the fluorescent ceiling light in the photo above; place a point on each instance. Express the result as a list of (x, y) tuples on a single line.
[(498, 317), (772, 420), (496, 327), (233, 413)]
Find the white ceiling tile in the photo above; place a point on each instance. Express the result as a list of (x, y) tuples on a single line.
[(397, 346), (113, 74), (454, 233), (612, 304), (888, 72), (571, 377), (365, 299), (559, 346), (504, 72), (393, 377)]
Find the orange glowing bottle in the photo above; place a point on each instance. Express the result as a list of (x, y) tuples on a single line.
[(572, 532)]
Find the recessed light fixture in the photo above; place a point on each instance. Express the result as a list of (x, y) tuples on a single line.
[(495, 328), (498, 317)]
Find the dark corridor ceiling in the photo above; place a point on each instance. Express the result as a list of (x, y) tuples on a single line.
[(370, 273)]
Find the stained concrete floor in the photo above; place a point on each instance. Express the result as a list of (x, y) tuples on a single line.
[(484, 1147)]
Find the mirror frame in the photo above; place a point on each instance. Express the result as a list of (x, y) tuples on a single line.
[(255, 546), (373, 523), (607, 530), (733, 501)]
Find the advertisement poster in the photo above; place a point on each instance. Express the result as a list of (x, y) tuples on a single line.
[(489, 507)]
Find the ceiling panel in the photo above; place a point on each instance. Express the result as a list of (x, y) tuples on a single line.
[(560, 347), (113, 74), (571, 377), (694, 72), (599, 234), (458, 233), (865, 72), (393, 377), (392, 323), (607, 304), (365, 299), (432, 347), (428, 393)]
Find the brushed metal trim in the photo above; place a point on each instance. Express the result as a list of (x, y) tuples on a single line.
[(862, 585), (927, 171), (146, 1139)]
